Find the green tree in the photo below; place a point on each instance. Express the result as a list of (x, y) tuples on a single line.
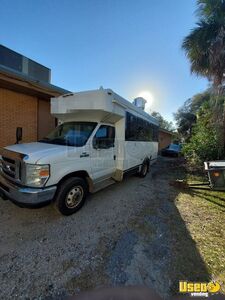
[(186, 116), (162, 122), (205, 45), (204, 143)]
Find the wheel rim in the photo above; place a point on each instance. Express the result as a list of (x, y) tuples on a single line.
[(145, 169), (74, 197)]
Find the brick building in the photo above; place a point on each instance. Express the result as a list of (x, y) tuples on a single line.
[(165, 138), (25, 92)]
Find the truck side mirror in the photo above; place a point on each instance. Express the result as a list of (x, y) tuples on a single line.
[(19, 134)]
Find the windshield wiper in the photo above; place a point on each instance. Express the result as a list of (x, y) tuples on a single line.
[(44, 140), (57, 141), (53, 141)]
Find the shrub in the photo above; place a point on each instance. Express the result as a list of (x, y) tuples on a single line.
[(205, 142)]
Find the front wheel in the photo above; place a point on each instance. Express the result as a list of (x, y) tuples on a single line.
[(71, 195)]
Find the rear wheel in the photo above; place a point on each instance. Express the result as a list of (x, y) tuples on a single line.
[(71, 195), (144, 169)]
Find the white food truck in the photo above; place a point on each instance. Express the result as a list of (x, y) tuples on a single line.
[(100, 138)]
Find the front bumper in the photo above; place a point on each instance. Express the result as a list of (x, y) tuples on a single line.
[(25, 195)]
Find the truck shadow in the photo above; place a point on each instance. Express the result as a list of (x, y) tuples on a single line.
[(169, 253), (186, 263)]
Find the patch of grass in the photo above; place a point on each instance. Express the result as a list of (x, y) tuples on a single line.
[(203, 213), (215, 199), (192, 178), (198, 231)]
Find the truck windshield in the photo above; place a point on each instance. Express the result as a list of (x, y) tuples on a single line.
[(70, 134)]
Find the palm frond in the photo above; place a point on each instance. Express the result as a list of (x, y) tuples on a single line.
[(201, 48)]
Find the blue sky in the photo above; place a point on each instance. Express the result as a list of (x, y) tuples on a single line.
[(128, 45)]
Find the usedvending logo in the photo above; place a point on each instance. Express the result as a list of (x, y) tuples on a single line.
[(199, 289)]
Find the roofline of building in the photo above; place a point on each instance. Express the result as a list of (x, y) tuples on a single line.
[(31, 83), (166, 131), (18, 53)]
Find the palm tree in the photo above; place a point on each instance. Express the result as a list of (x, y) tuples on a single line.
[(205, 48), (205, 45)]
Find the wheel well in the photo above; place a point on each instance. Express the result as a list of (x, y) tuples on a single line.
[(81, 174)]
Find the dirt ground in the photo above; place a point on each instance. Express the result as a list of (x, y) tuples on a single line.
[(131, 233)]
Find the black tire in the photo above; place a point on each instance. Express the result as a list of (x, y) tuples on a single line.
[(70, 195), (144, 169)]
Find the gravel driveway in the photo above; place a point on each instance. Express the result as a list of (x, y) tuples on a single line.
[(120, 237)]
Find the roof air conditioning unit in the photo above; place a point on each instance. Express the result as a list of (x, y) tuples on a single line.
[(140, 102)]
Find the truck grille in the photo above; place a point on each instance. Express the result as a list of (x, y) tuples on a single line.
[(11, 168), (11, 165)]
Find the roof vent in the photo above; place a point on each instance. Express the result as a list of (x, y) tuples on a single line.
[(140, 102)]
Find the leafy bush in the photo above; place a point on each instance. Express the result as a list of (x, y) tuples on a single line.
[(205, 142)]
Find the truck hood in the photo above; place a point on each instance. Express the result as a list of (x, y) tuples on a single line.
[(35, 151)]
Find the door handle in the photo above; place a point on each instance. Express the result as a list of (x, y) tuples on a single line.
[(84, 154), (114, 157)]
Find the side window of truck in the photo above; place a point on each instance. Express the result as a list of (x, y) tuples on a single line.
[(104, 137), (138, 129)]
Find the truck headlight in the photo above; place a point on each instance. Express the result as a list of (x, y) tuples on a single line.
[(37, 175)]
